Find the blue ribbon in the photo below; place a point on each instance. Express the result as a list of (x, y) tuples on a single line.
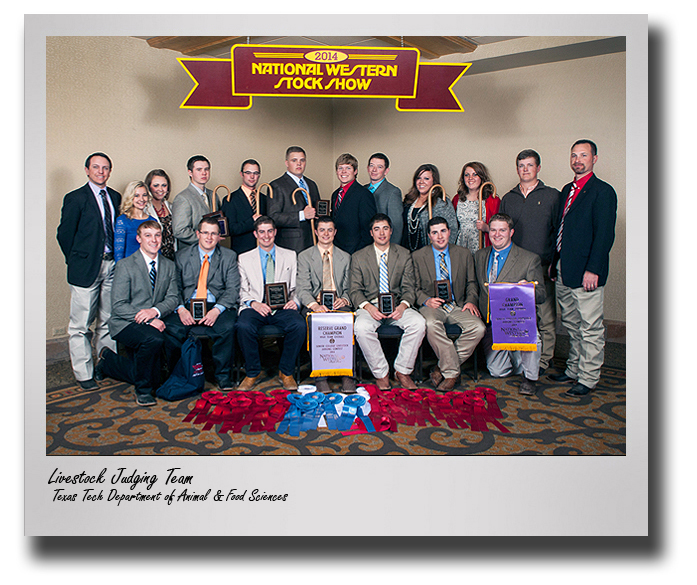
[(349, 410), (330, 414), (311, 410)]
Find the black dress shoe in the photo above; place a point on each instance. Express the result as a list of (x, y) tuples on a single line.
[(527, 387), (578, 389), (146, 400), (561, 377), (88, 384)]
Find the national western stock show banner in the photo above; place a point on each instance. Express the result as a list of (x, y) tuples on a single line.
[(309, 71)]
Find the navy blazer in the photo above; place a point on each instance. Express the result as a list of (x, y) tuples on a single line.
[(292, 233), (239, 214), (352, 218), (81, 236), (589, 232)]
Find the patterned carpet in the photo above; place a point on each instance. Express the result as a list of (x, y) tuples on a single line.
[(109, 422)]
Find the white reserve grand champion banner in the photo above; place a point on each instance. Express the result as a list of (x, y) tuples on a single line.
[(330, 343)]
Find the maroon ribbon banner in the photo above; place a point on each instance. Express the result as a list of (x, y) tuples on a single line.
[(309, 71)]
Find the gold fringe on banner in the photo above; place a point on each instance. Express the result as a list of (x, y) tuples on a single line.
[(515, 346)]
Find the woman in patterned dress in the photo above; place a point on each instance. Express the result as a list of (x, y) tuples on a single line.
[(466, 204), (159, 186), (415, 234)]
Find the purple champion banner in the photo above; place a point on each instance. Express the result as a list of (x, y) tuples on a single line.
[(513, 316)]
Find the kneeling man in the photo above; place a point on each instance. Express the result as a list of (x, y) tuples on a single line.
[(268, 264), (441, 261), (144, 290), (503, 261), (382, 268), (208, 271)]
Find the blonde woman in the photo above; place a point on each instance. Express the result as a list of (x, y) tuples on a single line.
[(158, 183), (133, 204)]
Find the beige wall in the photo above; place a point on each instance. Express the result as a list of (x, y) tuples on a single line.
[(117, 95)]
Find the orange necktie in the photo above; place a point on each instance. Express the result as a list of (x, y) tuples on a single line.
[(202, 289)]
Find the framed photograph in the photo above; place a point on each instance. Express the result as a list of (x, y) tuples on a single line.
[(198, 308), (276, 294), (328, 297), (386, 303), (443, 290), (324, 207)]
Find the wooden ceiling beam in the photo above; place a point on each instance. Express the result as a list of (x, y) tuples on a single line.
[(433, 47), (193, 45)]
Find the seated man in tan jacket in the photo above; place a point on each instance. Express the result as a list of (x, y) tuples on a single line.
[(442, 261)]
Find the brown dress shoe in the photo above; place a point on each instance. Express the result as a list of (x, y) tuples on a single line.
[(447, 384), (383, 383), (287, 381), (248, 383), (436, 376), (405, 381)]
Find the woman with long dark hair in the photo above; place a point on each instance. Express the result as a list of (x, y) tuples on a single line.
[(466, 203), (415, 234)]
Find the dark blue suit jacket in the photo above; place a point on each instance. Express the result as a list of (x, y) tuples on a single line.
[(353, 217), (589, 232), (81, 234), (239, 214)]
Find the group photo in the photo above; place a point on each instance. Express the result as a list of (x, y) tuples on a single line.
[(325, 275)]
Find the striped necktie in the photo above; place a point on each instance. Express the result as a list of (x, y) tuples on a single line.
[(384, 281), (303, 185), (253, 200), (445, 275), (153, 274), (569, 199), (108, 226), (339, 198)]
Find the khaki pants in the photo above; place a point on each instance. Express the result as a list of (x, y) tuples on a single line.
[(451, 355), (582, 316), (547, 322), (365, 329), (87, 305)]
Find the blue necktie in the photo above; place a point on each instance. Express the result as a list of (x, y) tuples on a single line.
[(445, 275), (384, 282), (303, 185), (153, 274)]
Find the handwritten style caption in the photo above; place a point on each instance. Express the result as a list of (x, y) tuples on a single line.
[(132, 486)]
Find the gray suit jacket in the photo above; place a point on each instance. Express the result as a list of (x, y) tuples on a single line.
[(520, 265), (252, 277), (462, 275), (309, 280), (187, 210), (223, 275), (131, 290), (364, 282), (388, 200)]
